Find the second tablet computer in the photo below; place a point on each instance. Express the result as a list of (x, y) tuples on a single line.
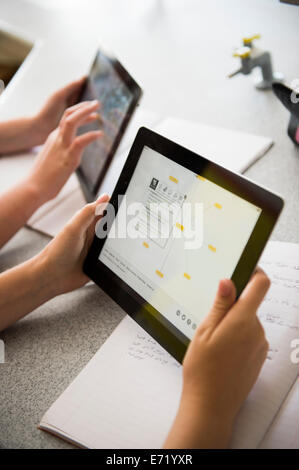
[(182, 223), (118, 93)]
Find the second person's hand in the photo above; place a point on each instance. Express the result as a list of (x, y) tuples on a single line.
[(61, 154), (47, 119)]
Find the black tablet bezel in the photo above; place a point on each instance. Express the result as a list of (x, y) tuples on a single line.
[(172, 339), (89, 192)]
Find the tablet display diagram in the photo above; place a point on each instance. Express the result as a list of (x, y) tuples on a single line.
[(179, 223), (118, 94), (180, 281)]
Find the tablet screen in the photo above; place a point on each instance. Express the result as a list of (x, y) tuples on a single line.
[(175, 235), (109, 83)]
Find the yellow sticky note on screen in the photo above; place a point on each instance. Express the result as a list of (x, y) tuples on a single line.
[(173, 179)]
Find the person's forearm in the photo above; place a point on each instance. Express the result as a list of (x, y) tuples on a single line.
[(24, 288), (196, 427), (16, 207), (19, 134)]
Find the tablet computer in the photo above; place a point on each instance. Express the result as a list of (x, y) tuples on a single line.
[(118, 93), (177, 223)]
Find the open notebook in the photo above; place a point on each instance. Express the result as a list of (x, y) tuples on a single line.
[(128, 394), (234, 150)]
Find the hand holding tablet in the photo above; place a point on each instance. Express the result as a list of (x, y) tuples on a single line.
[(118, 94), (184, 224)]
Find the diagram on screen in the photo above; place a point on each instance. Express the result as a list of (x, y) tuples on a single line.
[(158, 225)]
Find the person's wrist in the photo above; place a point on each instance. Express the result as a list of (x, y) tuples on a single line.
[(202, 414), (39, 131), (44, 278), (50, 280), (34, 192)]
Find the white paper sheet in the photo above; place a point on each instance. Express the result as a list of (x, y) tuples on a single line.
[(232, 149), (279, 314), (128, 394), (284, 432), (124, 398)]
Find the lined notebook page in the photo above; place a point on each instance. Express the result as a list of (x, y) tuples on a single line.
[(128, 394), (279, 314), (126, 397), (284, 433)]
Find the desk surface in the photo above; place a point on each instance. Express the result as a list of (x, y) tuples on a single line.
[(183, 47)]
